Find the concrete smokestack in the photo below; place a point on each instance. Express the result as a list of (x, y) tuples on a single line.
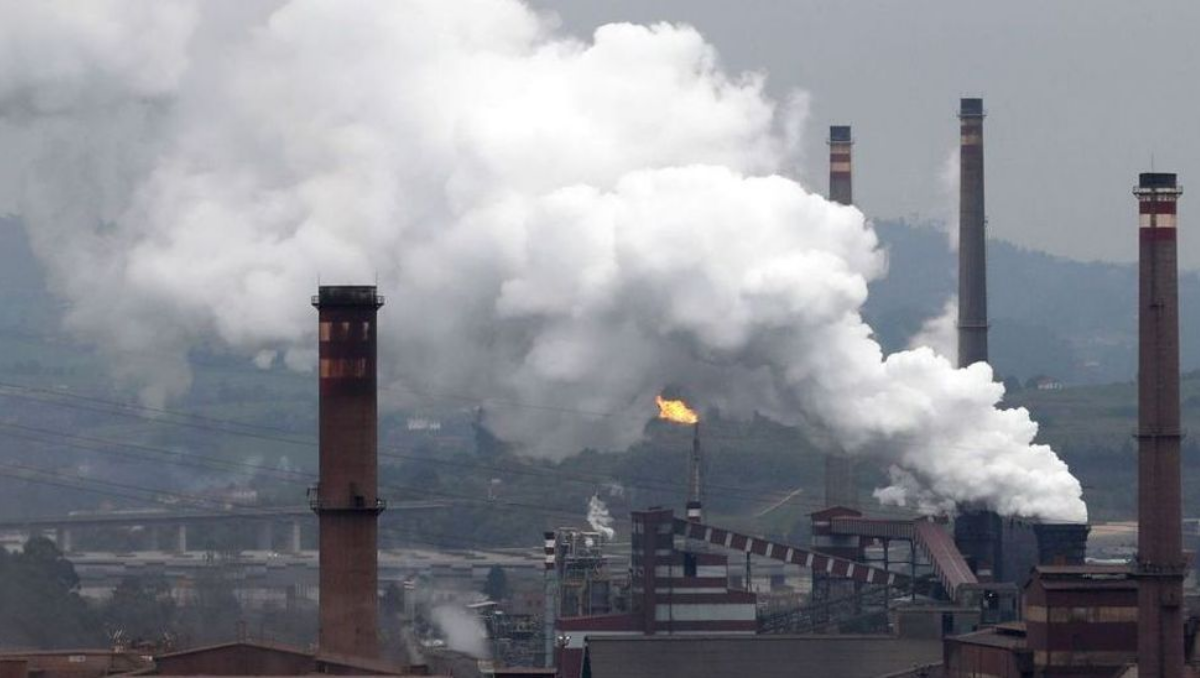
[(978, 532), (346, 500), (840, 488), (1160, 562), (695, 478), (972, 240)]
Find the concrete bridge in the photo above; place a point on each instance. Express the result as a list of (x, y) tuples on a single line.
[(176, 523)]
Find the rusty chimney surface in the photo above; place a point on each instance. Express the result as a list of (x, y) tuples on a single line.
[(1160, 561), (972, 239), (841, 167), (346, 499)]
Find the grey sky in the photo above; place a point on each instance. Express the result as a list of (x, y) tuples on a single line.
[(1079, 95)]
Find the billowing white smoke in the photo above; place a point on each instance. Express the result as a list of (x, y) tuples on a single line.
[(462, 630), (599, 518), (940, 332), (554, 222)]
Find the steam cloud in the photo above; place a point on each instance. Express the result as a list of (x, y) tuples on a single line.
[(553, 221), (940, 332), (599, 518), (463, 630)]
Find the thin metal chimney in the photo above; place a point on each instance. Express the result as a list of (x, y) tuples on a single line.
[(972, 240), (1160, 561), (550, 602), (346, 499), (695, 512), (840, 486)]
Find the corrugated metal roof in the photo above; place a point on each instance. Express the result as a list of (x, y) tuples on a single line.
[(757, 656), (991, 638), (872, 527)]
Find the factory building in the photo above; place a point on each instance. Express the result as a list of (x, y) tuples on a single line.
[(1078, 621)]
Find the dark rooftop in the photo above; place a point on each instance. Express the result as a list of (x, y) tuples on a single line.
[(702, 656)]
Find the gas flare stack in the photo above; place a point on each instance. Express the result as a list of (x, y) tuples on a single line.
[(1160, 561), (840, 487), (346, 499), (695, 511)]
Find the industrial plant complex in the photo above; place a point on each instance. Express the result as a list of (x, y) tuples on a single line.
[(968, 594), (938, 575)]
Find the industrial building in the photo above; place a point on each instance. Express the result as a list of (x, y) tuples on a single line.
[(992, 595)]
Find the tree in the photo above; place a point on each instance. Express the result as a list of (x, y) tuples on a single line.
[(40, 605), (1011, 384), (141, 608), (214, 612), (496, 586)]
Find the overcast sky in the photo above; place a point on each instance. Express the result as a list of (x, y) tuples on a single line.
[(1080, 96)]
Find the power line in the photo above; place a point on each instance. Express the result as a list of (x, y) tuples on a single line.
[(644, 483), (82, 485)]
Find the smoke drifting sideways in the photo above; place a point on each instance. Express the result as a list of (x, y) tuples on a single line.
[(463, 630), (559, 222), (599, 518)]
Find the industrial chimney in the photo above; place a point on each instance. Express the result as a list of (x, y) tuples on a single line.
[(978, 532), (841, 188), (972, 241), (840, 488), (695, 512), (1160, 561), (346, 499)]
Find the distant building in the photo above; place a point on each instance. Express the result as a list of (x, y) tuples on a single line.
[(423, 424), (1044, 383)]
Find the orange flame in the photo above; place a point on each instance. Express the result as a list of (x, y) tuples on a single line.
[(676, 411)]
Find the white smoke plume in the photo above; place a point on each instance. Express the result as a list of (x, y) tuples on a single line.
[(462, 630), (940, 332), (948, 182), (599, 518), (561, 223)]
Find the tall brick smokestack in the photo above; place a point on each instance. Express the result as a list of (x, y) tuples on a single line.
[(972, 240), (346, 499), (1160, 562), (840, 488)]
